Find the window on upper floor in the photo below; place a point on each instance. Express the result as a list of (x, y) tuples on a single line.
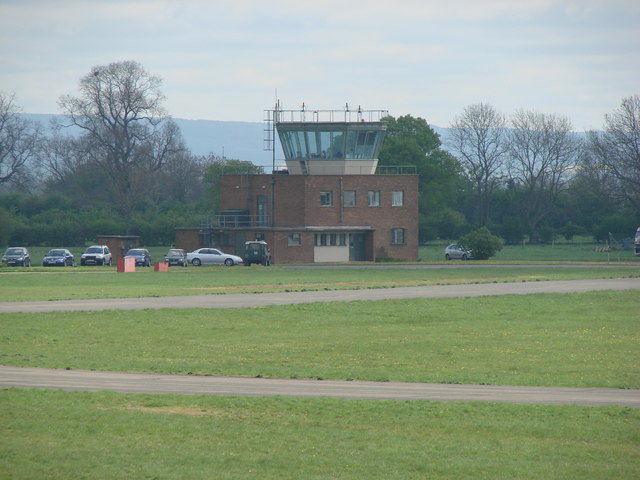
[(349, 198), (374, 198), (397, 198), (326, 199)]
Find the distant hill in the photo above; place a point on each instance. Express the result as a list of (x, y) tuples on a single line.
[(237, 140)]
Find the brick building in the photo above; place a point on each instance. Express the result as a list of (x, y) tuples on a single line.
[(329, 205)]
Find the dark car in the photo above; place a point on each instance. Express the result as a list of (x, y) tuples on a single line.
[(17, 256), (96, 255), (58, 257), (176, 256), (257, 252), (141, 256)]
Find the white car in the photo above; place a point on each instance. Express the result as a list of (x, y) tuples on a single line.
[(96, 255), (212, 256)]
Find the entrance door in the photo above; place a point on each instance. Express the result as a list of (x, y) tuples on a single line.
[(356, 247), (239, 244)]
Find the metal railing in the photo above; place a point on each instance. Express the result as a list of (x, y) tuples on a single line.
[(234, 221), (305, 115)]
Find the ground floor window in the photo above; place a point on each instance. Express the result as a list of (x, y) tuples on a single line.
[(330, 239), (397, 236), (294, 240)]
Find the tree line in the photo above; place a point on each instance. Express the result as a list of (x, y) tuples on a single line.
[(118, 164)]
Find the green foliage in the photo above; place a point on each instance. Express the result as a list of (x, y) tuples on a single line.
[(513, 230), (411, 141), (8, 226), (571, 230), (482, 243)]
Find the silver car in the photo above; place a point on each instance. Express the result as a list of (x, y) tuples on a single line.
[(96, 255), (456, 251), (212, 256)]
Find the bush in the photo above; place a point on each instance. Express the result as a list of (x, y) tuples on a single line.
[(482, 243)]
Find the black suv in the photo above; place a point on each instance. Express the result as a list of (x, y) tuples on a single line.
[(257, 252)]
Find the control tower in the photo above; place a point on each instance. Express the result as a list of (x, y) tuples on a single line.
[(330, 142)]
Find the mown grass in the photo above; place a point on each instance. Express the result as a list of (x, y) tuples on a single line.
[(104, 282), (579, 340), (62, 435), (580, 251)]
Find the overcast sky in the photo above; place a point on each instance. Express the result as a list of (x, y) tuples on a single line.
[(225, 60)]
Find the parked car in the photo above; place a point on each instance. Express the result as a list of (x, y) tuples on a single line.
[(257, 252), (456, 251), (17, 256), (141, 255), (212, 256), (58, 257), (176, 256), (96, 255)]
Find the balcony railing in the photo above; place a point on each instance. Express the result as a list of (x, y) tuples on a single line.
[(234, 221)]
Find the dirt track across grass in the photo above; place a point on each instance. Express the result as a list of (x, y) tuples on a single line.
[(243, 300), (17, 377)]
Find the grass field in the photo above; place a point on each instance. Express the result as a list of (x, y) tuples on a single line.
[(579, 340), (63, 435), (588, 339)]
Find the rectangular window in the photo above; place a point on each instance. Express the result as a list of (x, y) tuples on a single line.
[(330, 239), (262, 210), (397, 236), (374, 198), (326, 199), (349, 198), (294, 240), (397, 198)]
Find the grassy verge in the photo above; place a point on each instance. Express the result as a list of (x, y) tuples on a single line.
[(104, 282), (579, 340), (585, 251), (61, 435)]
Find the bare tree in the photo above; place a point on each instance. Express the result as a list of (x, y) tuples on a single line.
[(19, 139), (542, 150), (478, 137), (617, 150), (120, 111)]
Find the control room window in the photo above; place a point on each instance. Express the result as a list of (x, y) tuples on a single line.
[(326, 199), (374, 198), (397, 198), (397, 236), (349, 198), (294, 240)]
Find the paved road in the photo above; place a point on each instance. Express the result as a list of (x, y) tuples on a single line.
[(240, 300), (206, 385), (188, 384)]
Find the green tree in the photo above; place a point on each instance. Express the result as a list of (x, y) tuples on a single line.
[(8, 226), (411, 141), (482, 243)]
